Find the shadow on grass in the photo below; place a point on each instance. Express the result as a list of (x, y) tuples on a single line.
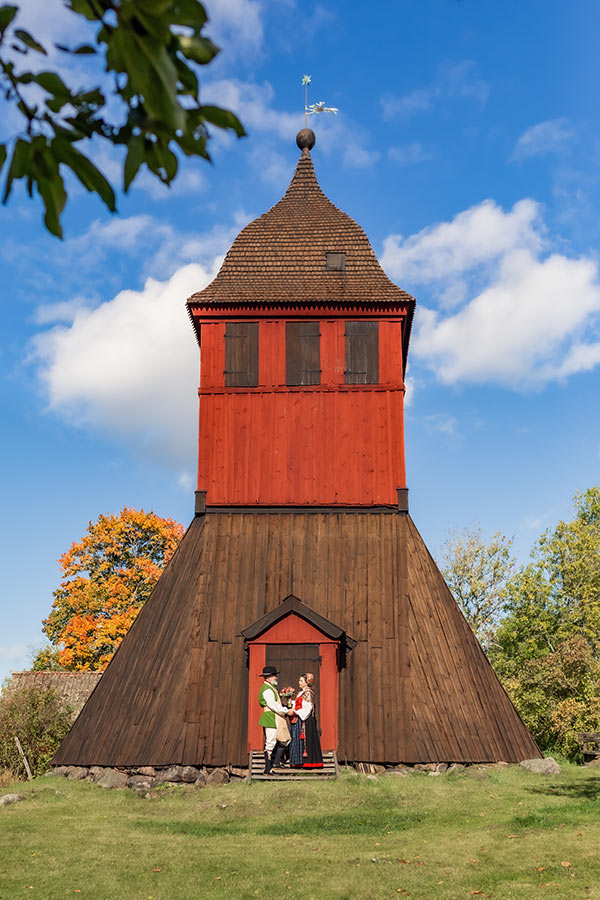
[(348, 822), (585, 789)]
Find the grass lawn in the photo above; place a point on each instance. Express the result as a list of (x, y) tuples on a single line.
[(496, 833)]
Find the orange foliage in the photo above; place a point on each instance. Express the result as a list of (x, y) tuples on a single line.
[(107, 577)]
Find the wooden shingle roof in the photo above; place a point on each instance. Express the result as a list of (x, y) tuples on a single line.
[(280, 257)]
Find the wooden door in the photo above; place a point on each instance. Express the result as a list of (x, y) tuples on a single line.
[(294, 660)]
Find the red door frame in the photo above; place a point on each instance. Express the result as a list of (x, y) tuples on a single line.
[(294, 630)]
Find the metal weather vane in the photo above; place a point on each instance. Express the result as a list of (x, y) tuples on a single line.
[(314, 108)]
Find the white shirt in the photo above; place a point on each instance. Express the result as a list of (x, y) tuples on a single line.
[(306, 708), (270, 699)]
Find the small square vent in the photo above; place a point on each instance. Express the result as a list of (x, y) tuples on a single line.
[(334, 261)]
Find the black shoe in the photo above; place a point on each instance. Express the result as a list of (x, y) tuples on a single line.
[(268, 764)]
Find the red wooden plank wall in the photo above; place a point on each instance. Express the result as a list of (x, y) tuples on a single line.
[(327, 444)]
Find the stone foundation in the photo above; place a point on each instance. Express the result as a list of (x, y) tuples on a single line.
[(145, 778)]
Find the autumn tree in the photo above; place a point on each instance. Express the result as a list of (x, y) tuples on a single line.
[(477, 573), (141, 93), (107, 577)]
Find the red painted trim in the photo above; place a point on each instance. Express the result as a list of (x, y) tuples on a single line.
[(294, 630)]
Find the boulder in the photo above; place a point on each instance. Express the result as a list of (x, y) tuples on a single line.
[(455, 769), (77, 773), (435, 774), (172, 775), (399, 770), (189, 774), (61, 771), (96, 772), (593, 762), (148, 771), (441, 768), (112, 779), (238, 773), (547, 766), (140, 782), (217, 776), (7, 799)]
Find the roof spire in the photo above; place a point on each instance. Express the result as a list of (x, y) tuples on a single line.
[(305, 137)]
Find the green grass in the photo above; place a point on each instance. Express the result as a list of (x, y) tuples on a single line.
[(504, 833)]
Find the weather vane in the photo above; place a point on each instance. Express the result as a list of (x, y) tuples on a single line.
[(314, 107)]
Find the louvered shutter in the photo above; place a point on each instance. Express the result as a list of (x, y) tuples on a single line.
[(362, 352), (241, 354)]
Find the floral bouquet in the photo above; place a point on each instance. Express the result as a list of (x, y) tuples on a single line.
[(287, 694)]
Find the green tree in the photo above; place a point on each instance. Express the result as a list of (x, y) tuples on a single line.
[(547, 648), (107, 577), (477, 574), (149, 103)]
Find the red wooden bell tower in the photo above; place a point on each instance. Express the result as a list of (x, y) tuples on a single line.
[(303, 341), (302, 553)]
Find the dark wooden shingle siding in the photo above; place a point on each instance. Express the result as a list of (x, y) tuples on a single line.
[(417, 687)]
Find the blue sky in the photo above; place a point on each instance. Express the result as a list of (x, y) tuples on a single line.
[(467, 146)]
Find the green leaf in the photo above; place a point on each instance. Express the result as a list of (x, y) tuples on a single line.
[(29, 40), (188, 12), (84, 169), (133, 160), (2, 155), (83, 8), (20, 165), (52, 83), (52, 191), (7, 14), (223, 118), (199, 49), (84, 50)]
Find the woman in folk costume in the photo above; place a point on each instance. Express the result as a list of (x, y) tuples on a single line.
[(305, 746), (272, 707)]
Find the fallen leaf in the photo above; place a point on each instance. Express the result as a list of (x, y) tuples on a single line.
[(566, 865), (512, 835), (476, 892), (473, 860), (217, 877), (541, 868), (157, 869)]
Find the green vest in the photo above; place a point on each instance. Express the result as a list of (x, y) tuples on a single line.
[(267, 720)]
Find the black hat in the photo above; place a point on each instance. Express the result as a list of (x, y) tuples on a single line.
[(268, 671)]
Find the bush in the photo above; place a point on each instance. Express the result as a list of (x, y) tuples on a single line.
[(40, 719)]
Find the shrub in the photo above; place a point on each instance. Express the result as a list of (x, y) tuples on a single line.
[(40, 719)]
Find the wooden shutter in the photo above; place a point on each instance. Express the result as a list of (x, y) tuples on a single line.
[(362, 352), (302, 353), (241, 354)]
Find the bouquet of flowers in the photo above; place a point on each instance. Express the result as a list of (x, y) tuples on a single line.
[(287, 694)]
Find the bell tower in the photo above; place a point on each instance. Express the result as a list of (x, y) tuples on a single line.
[(303, 342), (302, 554)]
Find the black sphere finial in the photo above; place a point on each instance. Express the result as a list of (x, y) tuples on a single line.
[(305, 139)]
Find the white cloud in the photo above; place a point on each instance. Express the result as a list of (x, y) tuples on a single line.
[(130, 367), (545, 137), (409, 154), (476, 236), (505, 308), (255, 105), (236, 25), (441, 423), (454, 81)]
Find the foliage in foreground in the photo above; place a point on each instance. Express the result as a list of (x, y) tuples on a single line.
[(108, 576), (148, 103), (541, 627), (40, 719), (493, 833)]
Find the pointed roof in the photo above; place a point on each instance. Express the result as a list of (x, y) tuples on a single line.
[(280, 257), (175, 691)]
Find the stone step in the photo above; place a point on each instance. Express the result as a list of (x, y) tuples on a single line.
[(257, 765)]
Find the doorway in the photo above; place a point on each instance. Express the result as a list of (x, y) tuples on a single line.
[(293, 660)]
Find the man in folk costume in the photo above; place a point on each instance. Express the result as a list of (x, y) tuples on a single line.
[(268, 699)]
